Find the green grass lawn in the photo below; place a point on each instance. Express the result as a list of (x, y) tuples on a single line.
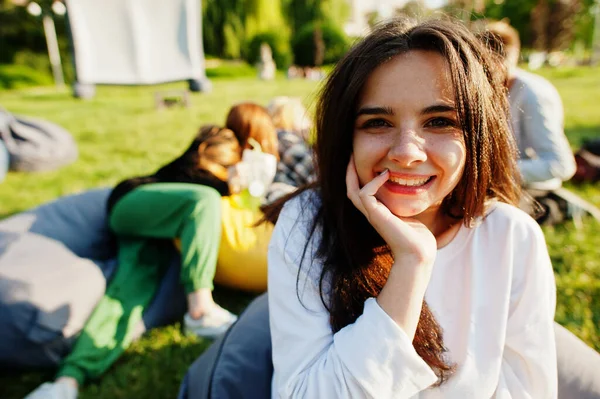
[(120, 134)]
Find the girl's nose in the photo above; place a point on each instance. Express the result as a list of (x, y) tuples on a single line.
[(407, 149)]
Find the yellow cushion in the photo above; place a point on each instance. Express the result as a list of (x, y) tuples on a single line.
[(242, 262)]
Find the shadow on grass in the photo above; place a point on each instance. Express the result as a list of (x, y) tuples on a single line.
[(233, 300), (153, 367), (578, 134), (15, 385)]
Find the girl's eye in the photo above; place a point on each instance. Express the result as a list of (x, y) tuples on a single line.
[(374, 123), (440, 122)]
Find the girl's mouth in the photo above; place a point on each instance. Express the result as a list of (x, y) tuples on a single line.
[(409, 186), (410, 182)]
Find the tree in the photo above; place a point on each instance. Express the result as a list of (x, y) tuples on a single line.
[(412, 9), (553, 24), (263, 16), (22, 39), (546, 25), (302, 12), (584, 25), (228, 25), (467, 10), (18, 31), (223, 27)]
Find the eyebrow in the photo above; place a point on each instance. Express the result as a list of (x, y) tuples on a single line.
[(375, 111), (438, 108), (432, 109)]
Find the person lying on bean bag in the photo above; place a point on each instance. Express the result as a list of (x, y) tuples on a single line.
[(152, 218)]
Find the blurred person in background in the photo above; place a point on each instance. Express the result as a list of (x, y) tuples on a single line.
[(289, 115), (280, 131), (293, 124), (537, 119), (251, 124), (176, 208)]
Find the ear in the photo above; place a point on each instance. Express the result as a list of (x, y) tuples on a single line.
[(201, 148), (201, 153)]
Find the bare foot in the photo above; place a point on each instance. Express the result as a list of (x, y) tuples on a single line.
[(200, 302)]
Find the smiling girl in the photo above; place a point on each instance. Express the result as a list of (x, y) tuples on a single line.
[(407, 271)]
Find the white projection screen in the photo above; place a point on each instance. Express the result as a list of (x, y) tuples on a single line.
[(136, 42)]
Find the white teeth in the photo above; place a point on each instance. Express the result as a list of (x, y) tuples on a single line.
[(409, 182)]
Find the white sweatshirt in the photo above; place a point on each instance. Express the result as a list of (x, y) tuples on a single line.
[(492, 290)]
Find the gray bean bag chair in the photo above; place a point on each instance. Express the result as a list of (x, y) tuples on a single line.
[(4, 161), (578, 367), (35, 144), (55, 261), (238, 365)]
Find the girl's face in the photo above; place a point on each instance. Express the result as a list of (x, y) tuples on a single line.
[(407, 122)]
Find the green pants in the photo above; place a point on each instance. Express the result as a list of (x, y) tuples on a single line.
[(146, 221)]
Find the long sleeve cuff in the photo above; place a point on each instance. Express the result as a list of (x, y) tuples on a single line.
[(73, 372), (385, 355)]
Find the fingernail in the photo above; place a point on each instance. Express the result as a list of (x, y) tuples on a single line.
[(384, 171)]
